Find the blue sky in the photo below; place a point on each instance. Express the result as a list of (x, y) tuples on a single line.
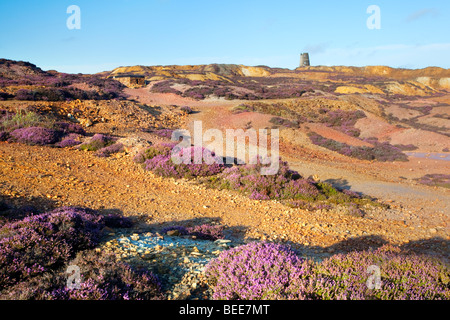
[(413, 34)]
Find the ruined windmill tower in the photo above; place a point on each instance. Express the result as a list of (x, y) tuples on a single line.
[(304, 60)]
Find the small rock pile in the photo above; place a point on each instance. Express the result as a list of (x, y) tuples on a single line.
[(178, 261)]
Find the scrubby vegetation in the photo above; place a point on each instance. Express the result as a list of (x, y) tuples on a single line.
[(35, 253), (438, 180), (259, 271), (97, 142), (285, 185), (28, 127), (379, 152), (159, 160), (244, 88), (36, 85), (41, 243)]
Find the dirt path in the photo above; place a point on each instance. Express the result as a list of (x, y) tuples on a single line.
[(429, 200)]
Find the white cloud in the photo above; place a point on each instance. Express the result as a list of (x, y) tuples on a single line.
[(422, 13)]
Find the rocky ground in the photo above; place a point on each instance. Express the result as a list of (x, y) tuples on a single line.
[(417, 216), (48, 177)]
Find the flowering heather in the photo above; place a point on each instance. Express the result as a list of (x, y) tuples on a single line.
[(256, 271), (343, 121), (380, 152), (164, 133), (351, 193), (285, 184), (164, 87), (102, 278), (109, 150), (70, 140), (153, 151), (68, 143), (164, 165), (440, 180), (353, 210), (403, 276), (67, 128), (43, 242), (105, 278), (272, 271), (35, 136), (98, 141), (284, 122)]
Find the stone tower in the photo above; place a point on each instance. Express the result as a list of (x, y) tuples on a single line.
[(304, 60)]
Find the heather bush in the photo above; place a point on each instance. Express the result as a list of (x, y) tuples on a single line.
[(116, 221), (257, 271), (353, 210), (109, 150), (35, 136), (338, 118), (103, 277), (284, 122), (67, 93), (439, 180), (69, 127), (164, 87), (285, 184), (403, 276), (164, 133), (185, 167), (5, 96), (153, 151), (68, 142), (380, 152), (98, 141), (352, 194), (44, 242), (272, 271)]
